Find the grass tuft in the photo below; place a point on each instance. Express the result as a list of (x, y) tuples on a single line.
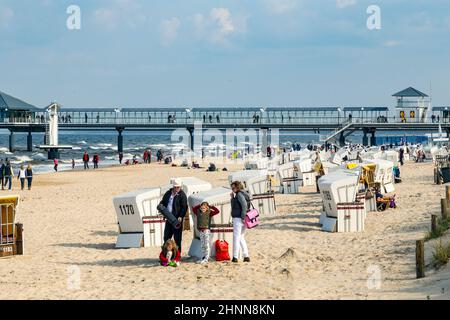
[(441, 254), (442, 226)]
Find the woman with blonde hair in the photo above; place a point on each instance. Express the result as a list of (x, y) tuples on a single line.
[(240, 204), (29, 175)]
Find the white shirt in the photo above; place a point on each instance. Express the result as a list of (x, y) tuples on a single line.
[(22, 173), (170, 204)]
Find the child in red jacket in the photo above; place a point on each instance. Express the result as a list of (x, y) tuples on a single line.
[(170, 255)]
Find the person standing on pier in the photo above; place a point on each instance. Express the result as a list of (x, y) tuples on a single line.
[(86, 161), (29, 175)]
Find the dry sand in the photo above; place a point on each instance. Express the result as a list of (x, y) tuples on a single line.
[(70, 225)]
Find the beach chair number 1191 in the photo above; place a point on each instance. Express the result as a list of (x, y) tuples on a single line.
[(126, 210)]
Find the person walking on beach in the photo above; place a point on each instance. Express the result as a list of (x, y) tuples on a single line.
[(159, 156), (21, 176), (145, 156), (73, 163), (8, 174), (401, 155), (204, 213), (239, 207), (95, 160), (29, 175), (175, 200), (86, 161), (55, 163), (2, 173)]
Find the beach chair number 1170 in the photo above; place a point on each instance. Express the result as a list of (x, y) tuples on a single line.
[(127, 209)]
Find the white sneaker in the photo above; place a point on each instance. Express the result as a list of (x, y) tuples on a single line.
[(200, 261), (204, 261)]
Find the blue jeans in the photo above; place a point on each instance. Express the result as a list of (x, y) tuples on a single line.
[(30, 180), (22, 183)]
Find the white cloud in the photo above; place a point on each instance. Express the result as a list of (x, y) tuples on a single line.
[(169, 30), (341, 4), (218, 25), (281, 6), (6, 15)]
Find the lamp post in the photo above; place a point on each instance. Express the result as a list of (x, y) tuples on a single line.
[(263, 111), (188, 111), (362, 114), (339, 116)]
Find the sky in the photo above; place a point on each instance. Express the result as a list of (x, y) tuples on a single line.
[(156, 53)]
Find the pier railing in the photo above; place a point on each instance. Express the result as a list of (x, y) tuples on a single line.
[(124, 119)]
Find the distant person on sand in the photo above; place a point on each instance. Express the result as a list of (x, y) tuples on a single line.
[(401, 155), (159, 156), (8, 174), (73, 163), (55, 162), (120, 157), (29, 175), (2, 173), (95, 160), (240, 204), (86, 161), (175, 200), (145, 156), (21, 176)]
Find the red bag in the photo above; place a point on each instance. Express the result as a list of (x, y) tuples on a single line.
[(222, 253)]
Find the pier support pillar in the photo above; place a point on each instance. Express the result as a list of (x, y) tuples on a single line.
[(342, 139), (365, 139), (191, 138), (12, 142), (29, 142), (264, 140), (373, 139), (120, 140)]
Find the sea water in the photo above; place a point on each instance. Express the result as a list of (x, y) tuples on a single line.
[(135, 143)]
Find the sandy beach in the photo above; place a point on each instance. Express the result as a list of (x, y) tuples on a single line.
[(70, 224)]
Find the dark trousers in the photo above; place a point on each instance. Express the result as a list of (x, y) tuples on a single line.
[(30, 181), (22, 183), (170, 232), (8, 182), (86, 165)]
